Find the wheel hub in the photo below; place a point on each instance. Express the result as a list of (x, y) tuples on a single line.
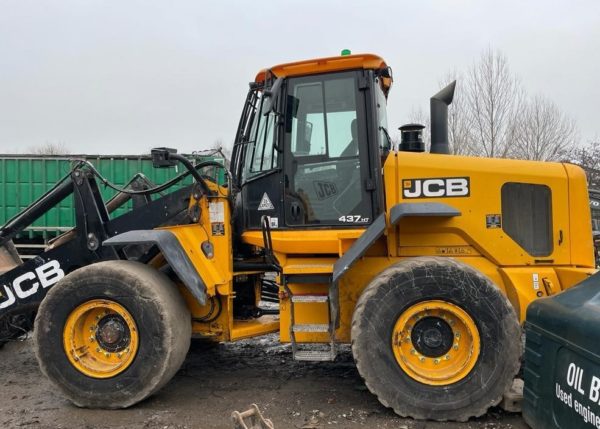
[(436, 342), (113, 333), (100, 338), (432, 336)]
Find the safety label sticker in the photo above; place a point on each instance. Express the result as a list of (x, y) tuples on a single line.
[(216, 212), (493, 221), (265, 203)]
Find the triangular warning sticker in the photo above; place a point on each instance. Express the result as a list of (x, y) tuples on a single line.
[(265, 203)]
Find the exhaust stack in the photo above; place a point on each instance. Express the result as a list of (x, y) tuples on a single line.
[(439, 119)]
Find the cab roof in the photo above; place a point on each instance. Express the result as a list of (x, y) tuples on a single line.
[(326, 65)]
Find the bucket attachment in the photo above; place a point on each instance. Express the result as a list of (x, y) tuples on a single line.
[(250, 419)]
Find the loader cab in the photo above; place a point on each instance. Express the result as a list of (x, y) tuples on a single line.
[(310, 145)]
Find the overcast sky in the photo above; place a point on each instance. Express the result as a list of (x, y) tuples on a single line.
[(124, 76)]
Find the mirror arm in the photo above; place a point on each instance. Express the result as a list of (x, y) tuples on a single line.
[(272, 94)]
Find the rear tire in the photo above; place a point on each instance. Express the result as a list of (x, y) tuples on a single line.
[(435, 339), (150, 333)]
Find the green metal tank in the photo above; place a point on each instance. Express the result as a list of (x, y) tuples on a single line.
[(24, 178), (562, 359)]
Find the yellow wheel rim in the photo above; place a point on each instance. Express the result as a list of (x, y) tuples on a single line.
[(436, 342), (100, 338)]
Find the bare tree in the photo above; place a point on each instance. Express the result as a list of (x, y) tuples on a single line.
[(542, 132), (50, 148), (493, 98), (588, 157), (492, 116)]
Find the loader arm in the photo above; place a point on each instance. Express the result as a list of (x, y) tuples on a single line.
[(23, 287)]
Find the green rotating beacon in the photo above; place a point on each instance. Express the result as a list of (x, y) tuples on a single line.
[(562, 359)]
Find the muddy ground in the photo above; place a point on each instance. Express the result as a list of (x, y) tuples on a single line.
[(214, 381)]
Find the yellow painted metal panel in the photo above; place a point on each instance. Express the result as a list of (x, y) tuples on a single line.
[(308, 265), (486, 179), (214, 227), (254, 327), (528, 284), (304, 313), (313, 241), (582, 247), (570, 276)]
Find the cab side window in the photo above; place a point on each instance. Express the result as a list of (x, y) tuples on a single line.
[(261, 150)]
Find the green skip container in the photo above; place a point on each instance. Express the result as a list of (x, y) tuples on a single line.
[(24, 178), (562, 359)]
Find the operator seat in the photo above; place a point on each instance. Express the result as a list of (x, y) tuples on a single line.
[(348, 176), (352, 148)]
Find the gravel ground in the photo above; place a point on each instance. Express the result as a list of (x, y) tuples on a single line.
[(214, 381)]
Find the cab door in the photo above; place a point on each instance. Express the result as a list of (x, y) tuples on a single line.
[(257, 164), (327, 173)]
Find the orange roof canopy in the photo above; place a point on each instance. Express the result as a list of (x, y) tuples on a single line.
[(324, 65)]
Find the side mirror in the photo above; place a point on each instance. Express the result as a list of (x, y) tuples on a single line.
[(271, 95)]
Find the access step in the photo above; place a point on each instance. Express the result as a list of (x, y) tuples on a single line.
[(311, 327), (327, 351), (310, 298), (315, 355)]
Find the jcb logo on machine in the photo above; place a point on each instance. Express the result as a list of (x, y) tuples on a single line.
[(28, 284), (436, 188)]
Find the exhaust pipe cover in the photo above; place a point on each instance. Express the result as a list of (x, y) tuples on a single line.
[(439, 119)]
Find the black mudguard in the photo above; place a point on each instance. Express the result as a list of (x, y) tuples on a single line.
[(171, 249)]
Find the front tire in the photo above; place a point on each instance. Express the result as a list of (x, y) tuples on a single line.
[(435, 339), (111, 334)]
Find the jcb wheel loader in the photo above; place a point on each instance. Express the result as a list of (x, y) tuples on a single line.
[(425, 262)]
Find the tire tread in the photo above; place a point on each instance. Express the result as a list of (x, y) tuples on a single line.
[(361, 354)]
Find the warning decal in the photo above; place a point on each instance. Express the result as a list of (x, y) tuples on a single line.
[(265, 203)]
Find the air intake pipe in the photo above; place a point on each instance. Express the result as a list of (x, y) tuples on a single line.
[(412, 138), (439, 119)]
